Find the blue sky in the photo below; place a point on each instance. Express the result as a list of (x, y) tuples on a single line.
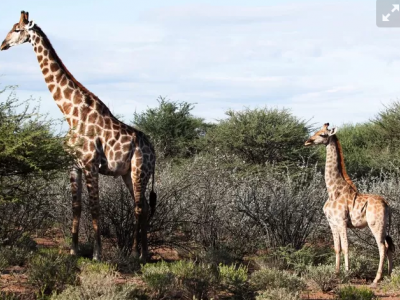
[(325, 60)]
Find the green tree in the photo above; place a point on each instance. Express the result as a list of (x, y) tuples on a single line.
[(372, 147), (261, 136), (172, 128), (362, 153), (30, 156)]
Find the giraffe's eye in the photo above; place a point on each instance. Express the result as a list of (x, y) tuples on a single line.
[(17, 30), (323, 135)]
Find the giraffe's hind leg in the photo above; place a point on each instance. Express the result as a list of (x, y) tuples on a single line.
[(377, 229), (378, 219), (76, 190), (92, 183), (128, 182), (139, 183)]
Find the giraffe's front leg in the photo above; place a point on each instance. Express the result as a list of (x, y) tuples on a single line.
[(92, 183), (76, 190), (345, 245), (336, 241)]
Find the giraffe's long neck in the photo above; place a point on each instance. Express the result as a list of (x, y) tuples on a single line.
[(73, 99), (336, 177)]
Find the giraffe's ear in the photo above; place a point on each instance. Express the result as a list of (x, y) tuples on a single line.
[(333, 131)]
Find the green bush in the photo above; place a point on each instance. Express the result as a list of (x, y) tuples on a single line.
[(193, 279), (220, 255), (172, 128), (14, 256), (125, 264), (9, 296), (31, 155), (97, 282), (234, 279), (324, 276), (362, 266), (292, 259), (50, 271), (272, 278), (182, 278), (393, 282), (158, 277), (278, 294), (354, 293), (261, 136)]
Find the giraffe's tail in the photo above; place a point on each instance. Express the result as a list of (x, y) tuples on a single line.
[(389, 244), (153, 198), (388, 239)]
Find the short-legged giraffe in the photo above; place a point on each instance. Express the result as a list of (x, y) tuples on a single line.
[(101, 143), (348, 208)]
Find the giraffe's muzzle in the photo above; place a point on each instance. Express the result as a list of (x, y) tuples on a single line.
[(309, 142), (4, 46)]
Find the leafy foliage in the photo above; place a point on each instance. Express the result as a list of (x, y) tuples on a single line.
[(354, 293), (363, 151), (158, 277), (298, 260), (97, 282), (324, 276), (371, 148), (172, 128), (50, 271), (278, 294), (30, 156), (28, 145), (393, 282), (261, 136), (233, 278), (272, 278), (184, 278)]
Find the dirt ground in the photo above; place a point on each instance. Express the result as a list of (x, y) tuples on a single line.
[(15, 279)]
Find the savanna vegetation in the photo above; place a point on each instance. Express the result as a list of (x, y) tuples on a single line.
[(239, 212)]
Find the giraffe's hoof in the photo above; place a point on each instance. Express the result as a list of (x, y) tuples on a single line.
[(143, 259), (135, 254), (373, 285), (96, 258)]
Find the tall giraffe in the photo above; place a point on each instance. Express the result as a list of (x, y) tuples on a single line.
[(346, 207), (99, 142)]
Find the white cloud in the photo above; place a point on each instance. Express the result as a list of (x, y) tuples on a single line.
[(327, 60)]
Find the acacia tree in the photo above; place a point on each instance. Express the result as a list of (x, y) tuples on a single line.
[(172, 128), (30, 156), (372, 147), (261, 136)]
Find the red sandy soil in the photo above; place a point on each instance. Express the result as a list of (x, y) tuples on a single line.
[(15, 279)]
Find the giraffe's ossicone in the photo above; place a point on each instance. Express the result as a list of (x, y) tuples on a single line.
[(100, 143), (346, 207)]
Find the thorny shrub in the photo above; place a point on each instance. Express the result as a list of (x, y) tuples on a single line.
[(97, 282), (278, 294), (271, 278), (354, 293), (51, 271)]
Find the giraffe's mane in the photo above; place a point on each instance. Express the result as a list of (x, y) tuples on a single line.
[(342, 165), (68, 73)]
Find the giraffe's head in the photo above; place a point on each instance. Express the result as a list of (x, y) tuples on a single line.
[(19, 33), (322, 136)]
